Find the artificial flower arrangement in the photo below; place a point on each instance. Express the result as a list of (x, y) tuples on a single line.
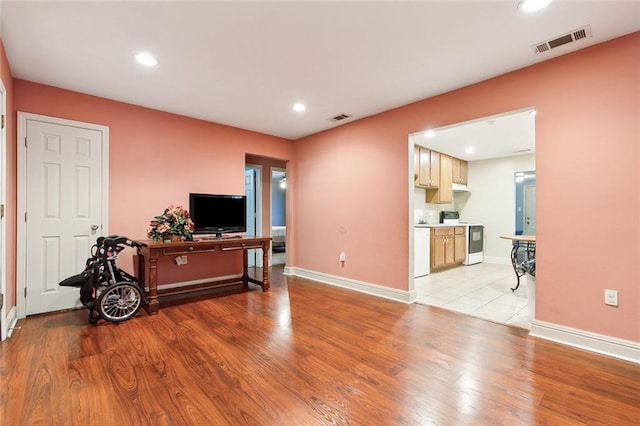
[(174, 221)]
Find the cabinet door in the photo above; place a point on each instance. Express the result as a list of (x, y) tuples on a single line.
[(435, 171), (445, 189), (437, 251), (416, 165), (449, 253), (463, 172), (459, 168), (460, 248), (425, 167)]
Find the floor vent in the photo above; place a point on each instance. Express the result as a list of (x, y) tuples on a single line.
[(575, 35), (340, 117)]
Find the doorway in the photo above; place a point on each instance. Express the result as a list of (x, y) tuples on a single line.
[(63, 198), (278, 216), (525, 214), (252, 190)]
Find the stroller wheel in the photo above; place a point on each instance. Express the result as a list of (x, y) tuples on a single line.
[(119, 302)]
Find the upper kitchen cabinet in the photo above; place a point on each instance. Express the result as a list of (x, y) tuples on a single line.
[(427, 168), (459, 168), (444, 192)]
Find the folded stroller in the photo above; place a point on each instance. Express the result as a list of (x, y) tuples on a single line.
[(107, 291)]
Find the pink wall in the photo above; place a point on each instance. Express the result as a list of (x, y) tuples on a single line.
[(354, 190), (11, 195), (156, 159)]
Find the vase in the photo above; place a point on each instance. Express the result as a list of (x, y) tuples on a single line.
[(171, 238)]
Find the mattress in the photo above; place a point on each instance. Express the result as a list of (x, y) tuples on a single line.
[(278, 234)]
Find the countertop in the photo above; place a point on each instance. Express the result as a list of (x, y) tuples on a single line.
[(526, 238), (441, 225)]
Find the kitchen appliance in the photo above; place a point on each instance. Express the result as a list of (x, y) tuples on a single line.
[(474, 237), (421, 254), (475, 244)]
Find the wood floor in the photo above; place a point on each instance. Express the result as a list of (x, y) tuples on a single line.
[(303, 354)]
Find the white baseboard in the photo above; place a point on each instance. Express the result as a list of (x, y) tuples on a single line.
[(497, 260), (12, 320), (360, 286), (606, 345)]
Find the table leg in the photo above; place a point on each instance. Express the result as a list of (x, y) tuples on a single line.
[(154, 304), (514, 263), (265, 267), (245, 268)]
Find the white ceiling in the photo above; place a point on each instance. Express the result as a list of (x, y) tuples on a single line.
[(245, 64), (504, 135)]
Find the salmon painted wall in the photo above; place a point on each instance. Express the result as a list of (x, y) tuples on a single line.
[(10, 196), (354, 187), (157, 159)]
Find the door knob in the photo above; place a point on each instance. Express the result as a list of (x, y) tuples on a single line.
[(94, 227)]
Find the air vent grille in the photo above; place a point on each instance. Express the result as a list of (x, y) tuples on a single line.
[(340, 117), (575, 35)]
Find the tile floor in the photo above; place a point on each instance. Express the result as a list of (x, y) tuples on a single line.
[(482, 290)]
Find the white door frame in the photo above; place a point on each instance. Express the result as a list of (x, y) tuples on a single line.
[(21, 240), (4, 317), (257, 182)]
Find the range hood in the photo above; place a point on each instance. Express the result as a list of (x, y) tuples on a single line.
[(457, 187)]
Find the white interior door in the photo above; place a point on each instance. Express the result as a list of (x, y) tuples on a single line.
[(64, 209), (529, 210), (4, 330)]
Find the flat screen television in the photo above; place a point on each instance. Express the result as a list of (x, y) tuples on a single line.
[(218, 214)]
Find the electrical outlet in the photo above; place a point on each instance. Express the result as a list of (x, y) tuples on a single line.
[(342, 257), (611, 297)]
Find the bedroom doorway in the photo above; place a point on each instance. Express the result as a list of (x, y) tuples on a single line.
[(278, 216)]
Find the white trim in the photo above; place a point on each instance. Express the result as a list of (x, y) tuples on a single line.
[(4, 316), (21, 240), (360, 286), (599, 343), (12, 320)]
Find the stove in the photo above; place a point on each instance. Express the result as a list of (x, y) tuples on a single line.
[(474, 233)]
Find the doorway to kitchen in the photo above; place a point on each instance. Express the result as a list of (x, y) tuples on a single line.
[(494, 149)]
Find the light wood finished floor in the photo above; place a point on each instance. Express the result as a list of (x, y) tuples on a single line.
[(303, 354)]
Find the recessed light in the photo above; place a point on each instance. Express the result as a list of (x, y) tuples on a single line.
[(146, 59), (533, 5), (469, 150), (430, 133), (299, 107)]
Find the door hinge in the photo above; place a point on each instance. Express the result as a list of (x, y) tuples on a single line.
[(25, 141), (25, 292), (25, 216), (1, 211), (2, 122)]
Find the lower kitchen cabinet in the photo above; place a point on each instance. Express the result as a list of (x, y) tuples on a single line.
[(447, 246)]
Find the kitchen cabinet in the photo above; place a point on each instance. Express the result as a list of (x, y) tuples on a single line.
[(459, 168), (447, 246), (444, 192), (427, 167), (460, 244)]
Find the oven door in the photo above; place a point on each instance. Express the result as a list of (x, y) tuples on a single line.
[(476, 238)]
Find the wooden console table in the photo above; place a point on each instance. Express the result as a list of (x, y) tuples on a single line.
[(150, 251)]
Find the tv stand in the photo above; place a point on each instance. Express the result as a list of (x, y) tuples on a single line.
[(150, 251)]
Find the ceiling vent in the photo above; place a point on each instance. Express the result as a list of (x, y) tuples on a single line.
[(340, 117), (575, 35)]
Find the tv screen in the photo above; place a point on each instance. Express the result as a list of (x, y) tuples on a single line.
[(218, 214)]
